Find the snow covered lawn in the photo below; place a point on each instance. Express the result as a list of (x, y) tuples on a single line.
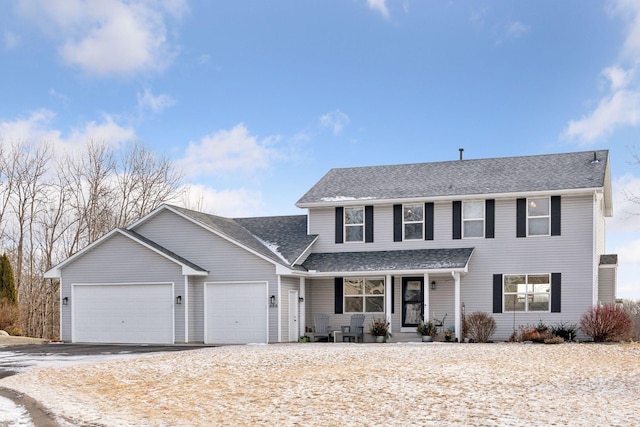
[(350, 384)]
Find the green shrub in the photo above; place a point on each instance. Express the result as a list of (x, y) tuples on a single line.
[(566, 331)]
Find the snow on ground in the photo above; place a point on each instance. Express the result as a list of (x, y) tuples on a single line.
[(13, 415), (320, 384)]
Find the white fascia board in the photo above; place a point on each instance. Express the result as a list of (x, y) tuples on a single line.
[(223, 236), (608, 201), (360, 202), (305, 252), (385, 272)]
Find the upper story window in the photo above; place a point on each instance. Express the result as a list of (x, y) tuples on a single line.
[(473, 219), (354, 224), (413, 221), (538, 216), (526, 292), (363, 295)]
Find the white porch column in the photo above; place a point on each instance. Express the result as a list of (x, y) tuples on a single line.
[(302, 319), (186, 309), (388, 303), (427, 289), (458, 326)]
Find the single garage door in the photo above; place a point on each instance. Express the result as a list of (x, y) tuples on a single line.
[(136, 313), (236, 313)]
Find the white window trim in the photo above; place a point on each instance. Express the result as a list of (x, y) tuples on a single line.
[(364, 296), (344, 221), (484, 218), (526, 303), (548, 216), (404, 223)]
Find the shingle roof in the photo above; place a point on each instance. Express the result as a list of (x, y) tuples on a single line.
[(462, 177), (280, 239), (419, 259), (611, 259)]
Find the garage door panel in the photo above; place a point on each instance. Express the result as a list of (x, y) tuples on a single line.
[(236, 313), (123, 313)]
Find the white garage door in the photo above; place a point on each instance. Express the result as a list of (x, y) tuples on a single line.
[(140, 313), (236, 313)]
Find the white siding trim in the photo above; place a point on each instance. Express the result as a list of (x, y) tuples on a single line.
[(457, 302), (186, 309), (302, 320), (596, 256), (280, 308), (388, 303)]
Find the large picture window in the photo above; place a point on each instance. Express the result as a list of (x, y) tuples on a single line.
[(526, 292), (538, 216), (354, 224), (363, 295), (473, 219), (413, 222)]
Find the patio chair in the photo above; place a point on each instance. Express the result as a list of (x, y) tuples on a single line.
[(321, 327), (355, 330), (439, 323)]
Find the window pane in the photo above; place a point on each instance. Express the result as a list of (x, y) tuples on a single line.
[(539, 302), (514, 302), (413, 231), (413, 291), (538, 278), (413, 213), (538, 226), (473, 228), (374, 287), (473, 210), (538, 207), (354, 233), (514, 283), (413, 313), (374, 304), (353, 304), (353, 215), (541, 288), (353, 286)]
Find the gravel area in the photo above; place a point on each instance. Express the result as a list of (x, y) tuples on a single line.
[(323, 384)]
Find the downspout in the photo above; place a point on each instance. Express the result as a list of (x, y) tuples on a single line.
[(458, 319), (186, 309)]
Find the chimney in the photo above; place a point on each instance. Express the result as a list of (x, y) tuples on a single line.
[(461, 150)]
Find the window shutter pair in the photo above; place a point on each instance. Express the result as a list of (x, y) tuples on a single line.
[(556, 293), (489, 219), (338, 293), (521, 216), (368, 224), (398, 222)]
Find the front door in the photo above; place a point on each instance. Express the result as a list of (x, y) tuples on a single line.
[(412, 300), (294, 332)]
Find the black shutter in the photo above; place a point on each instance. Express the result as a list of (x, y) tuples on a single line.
[(338, 294), (397, 223), (497, 293), (490, 219), (393, 294), (428, 221), (339, 225), (556, 292), (555, 215), (368, 224), (457, 219), (521, 218)]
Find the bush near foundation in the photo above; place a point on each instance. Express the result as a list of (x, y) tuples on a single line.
[(480, 326), (607, 322), (9, 315)]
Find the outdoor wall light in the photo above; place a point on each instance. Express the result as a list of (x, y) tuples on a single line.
[(65, 301), (179, 299), (433, 285), (272, 301), (301, 299)]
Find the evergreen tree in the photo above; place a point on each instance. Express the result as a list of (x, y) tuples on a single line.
[(7, 284)]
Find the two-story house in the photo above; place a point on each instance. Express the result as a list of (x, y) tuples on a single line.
[(521, 238)]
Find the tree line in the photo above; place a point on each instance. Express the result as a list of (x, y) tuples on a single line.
[(54, 202)]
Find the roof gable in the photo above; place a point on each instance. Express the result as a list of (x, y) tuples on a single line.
[(551, 172)]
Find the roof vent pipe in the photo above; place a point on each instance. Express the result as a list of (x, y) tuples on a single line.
[(461, 150), (595, 159)]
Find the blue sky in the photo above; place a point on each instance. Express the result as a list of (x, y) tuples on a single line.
[(257, 100)]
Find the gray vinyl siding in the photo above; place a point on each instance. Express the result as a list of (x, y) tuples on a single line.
[(224, 260), (123, 261), (607, 285), (571, 254), (287, 284)]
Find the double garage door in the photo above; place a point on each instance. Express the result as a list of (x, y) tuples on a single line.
[(234, 313)]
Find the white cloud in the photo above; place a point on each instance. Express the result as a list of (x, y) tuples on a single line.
[(11, 40), (618, 77), (379, 6), (228, 151), (516, 29), (629, 10), (157, 104), (626, 202), (335, 120), (619, 109), (228, 203), (107, 37)]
